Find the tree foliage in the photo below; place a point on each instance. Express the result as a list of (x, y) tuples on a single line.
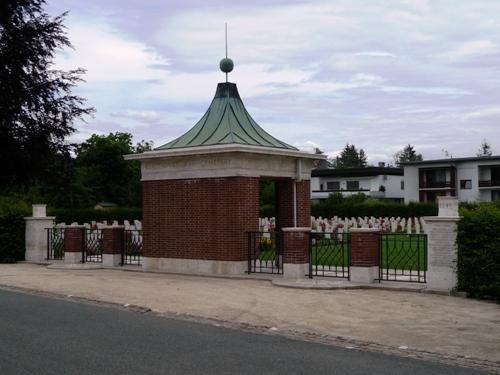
[(37, 106), (407, 154), (101, 167), (484, 150), (350, 157)]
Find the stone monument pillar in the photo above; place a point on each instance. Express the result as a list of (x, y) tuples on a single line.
[(112, 245), (36, 234), (296, 252), (365, 255), (441, 245)]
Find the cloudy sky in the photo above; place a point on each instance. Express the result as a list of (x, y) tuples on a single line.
[(379, 74)]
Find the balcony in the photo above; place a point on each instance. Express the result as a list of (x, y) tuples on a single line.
[(436, 185), (489, 183)]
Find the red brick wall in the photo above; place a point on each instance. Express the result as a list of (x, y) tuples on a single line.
[(73, 240), (364, 249), (284, 203), (112, 240), (295, 247), (203, 218)]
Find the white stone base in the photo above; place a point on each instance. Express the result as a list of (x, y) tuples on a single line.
[(72, 258), (363, 274), (195, 266), (36, 238), (111, 260), (295, 271), (441, 278)]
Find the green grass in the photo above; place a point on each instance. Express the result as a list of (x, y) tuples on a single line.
[(398, 251)]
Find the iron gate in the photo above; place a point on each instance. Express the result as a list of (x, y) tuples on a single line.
[(329, 255), (265, 252), (92, 247), (132, 247), (403, 257), (55, 243)]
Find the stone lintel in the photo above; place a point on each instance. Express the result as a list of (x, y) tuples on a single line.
[(219, 165)]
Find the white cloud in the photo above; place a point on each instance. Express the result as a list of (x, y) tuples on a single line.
[(140, 116), (375, 54), (483, 112), (473, 48), (108, 57)]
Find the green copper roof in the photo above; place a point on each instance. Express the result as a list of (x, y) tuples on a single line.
[(226, 121)]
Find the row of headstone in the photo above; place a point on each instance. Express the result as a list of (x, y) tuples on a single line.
[(342, 225), (137, 225)]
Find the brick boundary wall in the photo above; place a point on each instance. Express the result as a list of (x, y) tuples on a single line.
[(204, 218), (112, 240), (295, 247), (364, 248), (73, 239)]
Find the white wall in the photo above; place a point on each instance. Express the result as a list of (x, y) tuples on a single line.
[(411, 184), (468, 171), (372, 184)]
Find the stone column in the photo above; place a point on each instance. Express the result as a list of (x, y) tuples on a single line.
[(364, 255), (73, 244), (36, 234), (441, 233), (296, 252), (112, 245)]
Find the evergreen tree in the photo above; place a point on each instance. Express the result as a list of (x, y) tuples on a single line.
[(37, 106), (407, 154), (485, 149), (350, 157)]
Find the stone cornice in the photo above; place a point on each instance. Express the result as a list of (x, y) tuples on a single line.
[(219, 149)]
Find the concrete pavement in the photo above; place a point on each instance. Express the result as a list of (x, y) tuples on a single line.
[(450, 329)]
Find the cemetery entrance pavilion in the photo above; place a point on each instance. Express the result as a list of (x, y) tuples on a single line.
[(201, 190)]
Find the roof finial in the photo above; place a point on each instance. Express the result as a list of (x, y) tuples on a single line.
[(226, 64)]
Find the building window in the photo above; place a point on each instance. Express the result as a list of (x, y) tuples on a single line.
[(352, 185), (321, 187), (402, 185), (465, 184), (333, 185)]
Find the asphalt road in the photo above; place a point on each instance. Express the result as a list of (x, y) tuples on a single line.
[(41, 336)]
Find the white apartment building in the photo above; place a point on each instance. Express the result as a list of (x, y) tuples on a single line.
[(375, 182), (469, 179)]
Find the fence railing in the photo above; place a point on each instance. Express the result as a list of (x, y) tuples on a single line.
[(92, 246), (55, 243), (329, 255), (403, 257), (132, 247), (265, 253)]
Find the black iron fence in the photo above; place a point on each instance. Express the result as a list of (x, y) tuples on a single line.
[(92, 249), (55, 243), (132, 247), (329, 255), (265, 252), (403, 257)]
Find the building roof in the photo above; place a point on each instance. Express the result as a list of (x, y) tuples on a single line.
[(454, 160), (226, 122), (357, 172)]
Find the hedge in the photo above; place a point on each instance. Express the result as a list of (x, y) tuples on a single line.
[(86, 215), (12, 230), (478, 243), (361, 206)]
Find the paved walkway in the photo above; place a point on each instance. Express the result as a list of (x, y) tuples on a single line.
[(449, 327)]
